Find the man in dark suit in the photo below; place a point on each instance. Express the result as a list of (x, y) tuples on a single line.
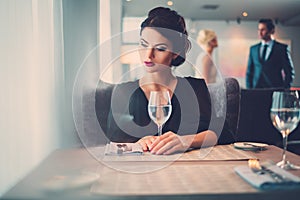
[(269, 63)]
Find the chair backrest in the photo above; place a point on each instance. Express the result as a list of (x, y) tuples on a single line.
[(90, 114), (233, 94), (255, 122), (232, 102), (104, 91), (103, 102)]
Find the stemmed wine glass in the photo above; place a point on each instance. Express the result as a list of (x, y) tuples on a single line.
[(159, 108), (285, 115)]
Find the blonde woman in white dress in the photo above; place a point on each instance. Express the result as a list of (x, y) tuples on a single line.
[(207, 39)]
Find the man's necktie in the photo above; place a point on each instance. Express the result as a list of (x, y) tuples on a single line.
[(263, 57)]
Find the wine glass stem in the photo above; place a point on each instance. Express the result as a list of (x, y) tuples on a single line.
[(159, 130), (284, 149)]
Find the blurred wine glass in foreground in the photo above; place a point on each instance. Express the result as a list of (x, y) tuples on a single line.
[(285, 115)]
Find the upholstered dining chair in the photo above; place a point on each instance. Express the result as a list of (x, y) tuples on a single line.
[(232, 92), (231, 107)]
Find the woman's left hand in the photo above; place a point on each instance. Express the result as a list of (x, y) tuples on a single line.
[(170, 142)]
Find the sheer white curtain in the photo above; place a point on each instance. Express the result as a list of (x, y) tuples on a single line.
[(110, 39), (105, 41), (31, 84)]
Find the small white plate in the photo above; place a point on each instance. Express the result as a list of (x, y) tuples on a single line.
[(250, 145)]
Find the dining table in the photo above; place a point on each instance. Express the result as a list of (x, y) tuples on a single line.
[(206, 173)]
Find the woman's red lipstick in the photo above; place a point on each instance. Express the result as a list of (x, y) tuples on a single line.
[(149, 64)]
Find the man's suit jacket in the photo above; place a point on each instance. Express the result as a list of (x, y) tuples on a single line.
[(268, 73)]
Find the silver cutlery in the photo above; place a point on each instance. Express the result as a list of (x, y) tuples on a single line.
[(257, 168), (253, 145)]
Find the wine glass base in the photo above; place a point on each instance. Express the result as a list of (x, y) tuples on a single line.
[(287, 165)]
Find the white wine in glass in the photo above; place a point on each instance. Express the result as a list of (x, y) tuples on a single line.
[(285, 116), (159, 108)]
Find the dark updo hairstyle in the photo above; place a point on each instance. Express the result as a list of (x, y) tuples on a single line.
[(172, 26)]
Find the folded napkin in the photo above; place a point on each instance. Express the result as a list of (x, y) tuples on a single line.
[(265, 181), (114, 148)]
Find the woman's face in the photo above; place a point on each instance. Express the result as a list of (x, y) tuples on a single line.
[(155, 50), (213, 43)]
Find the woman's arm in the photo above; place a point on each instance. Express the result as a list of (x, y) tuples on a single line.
[(206, 68)]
